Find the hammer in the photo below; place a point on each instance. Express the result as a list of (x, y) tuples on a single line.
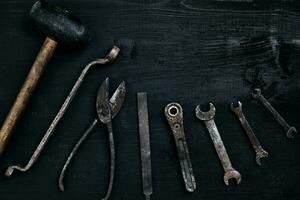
[(60, 27)]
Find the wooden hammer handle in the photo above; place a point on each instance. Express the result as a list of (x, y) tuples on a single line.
[(45, 54)]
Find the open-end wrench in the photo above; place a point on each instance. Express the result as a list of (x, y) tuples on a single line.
[(290, 131), (174, 115), (260, 152), (208, 118)]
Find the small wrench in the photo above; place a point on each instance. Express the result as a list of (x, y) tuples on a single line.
[(260, 152), (174, 115), (208, 118), (290, 131)]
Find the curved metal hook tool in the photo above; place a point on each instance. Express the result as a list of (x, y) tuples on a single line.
[(107, 110), (113, 54), (174, 115)]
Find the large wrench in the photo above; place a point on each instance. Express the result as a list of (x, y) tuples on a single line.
[(208, 118), (290, 131), (260, 152), (174, 115)]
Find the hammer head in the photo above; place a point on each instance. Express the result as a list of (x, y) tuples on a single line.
[(58, 24)]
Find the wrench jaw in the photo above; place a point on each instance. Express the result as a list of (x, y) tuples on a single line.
[(256, 93), (236, 109), (206, 116), (174, 115), (232, 174), (291, 132), (173, 110), (259, 155)]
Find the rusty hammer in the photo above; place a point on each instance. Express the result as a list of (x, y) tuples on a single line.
[(60, 27)]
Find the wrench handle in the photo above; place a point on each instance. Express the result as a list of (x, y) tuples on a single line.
[(219, 145), (36, 71), (274, 113), (247, 128), (186, 165)]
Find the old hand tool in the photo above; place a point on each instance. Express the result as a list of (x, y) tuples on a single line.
[(109, 58), (290, 131), (107, 109), (260, 152), (145, 144), (60, 27), (174, 115), (208, 118)]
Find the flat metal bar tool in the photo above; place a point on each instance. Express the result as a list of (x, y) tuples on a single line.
[(145, 144)]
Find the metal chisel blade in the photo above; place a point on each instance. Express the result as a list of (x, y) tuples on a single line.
[(145, 144)]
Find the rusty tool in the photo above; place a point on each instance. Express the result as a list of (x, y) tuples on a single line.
[(174, 116), (208, 118), (60, 27), (290, 131), (259, 151), (111, 56), (145, 144), (107, 109)]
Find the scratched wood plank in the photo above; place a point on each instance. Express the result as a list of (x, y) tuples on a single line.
[(187, 51)]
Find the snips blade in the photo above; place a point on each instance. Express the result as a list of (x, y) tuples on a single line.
[(117, 99), (107, 108)]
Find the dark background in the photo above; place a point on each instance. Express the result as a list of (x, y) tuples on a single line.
[(189, 51)]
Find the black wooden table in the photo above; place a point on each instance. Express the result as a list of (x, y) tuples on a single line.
[(190, 51)]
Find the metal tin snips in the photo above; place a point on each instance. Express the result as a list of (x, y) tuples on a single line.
[(107, 109)]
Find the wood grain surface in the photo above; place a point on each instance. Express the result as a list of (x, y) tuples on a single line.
[(187, 51)]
